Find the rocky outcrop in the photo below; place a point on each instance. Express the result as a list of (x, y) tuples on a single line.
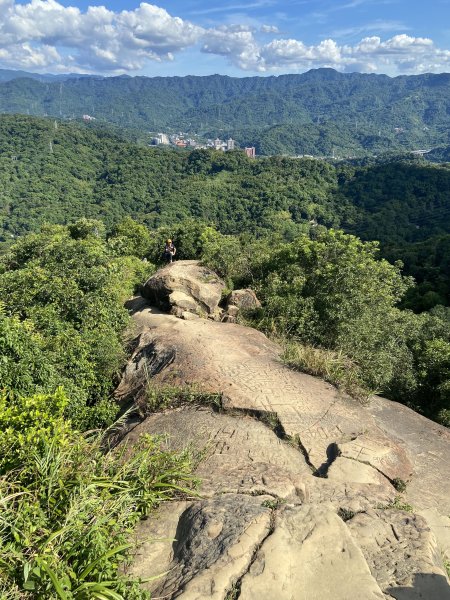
[(401, 549), (243, 300), (185, 286), (239, 301), (310, 555), (303, 489)]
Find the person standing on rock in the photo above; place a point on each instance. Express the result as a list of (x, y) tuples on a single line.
[(169, 251)]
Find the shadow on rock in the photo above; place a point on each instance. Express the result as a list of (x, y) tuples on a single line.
[(426, 586)]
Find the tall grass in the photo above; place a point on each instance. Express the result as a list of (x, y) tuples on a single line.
[(66, 516), (333, 366)]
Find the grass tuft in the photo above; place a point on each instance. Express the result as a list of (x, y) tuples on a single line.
[(334, 367), (172, 396), (397, 504)]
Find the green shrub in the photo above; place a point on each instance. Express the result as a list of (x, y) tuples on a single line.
[(130, 239), (67, 509), (27, 424), (329, 291), (24, 363), (66, 329)]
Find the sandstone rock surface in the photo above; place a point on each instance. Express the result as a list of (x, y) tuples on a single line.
[(299, 497), (402, 550), (185, 286), (311, 555), (241, 455)]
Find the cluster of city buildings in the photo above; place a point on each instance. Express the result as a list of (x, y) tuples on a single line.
[(181, 141)]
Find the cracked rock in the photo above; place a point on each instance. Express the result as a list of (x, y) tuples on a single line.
[(214, 544), (241, 455), (399, 546), (309, 556), (296, 546)]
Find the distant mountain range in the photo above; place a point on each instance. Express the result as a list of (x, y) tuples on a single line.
[(9, 75), (321, 112)]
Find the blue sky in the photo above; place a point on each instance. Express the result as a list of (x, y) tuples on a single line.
[(258, 37)]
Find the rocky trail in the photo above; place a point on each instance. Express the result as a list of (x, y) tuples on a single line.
[(306, 493)]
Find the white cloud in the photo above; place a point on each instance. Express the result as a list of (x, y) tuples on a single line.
[(33, 59), (237, 43), (270, 29), (399, 54), (43, 35), (99, 39)]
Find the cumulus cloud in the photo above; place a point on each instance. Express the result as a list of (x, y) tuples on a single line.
[(33, 59), (97, 39), (237, 43), (44, 35), (399, 54)]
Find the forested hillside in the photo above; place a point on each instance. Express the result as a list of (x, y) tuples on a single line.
[(406, 206), (55, 172), (71, 255), (313, 113)]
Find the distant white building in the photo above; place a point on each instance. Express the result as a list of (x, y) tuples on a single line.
[(161, 138), (88, 118), (230, 144)]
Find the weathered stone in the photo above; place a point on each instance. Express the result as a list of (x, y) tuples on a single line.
[(399, 547), (427, 444), (154, 538), (243, 299), (387, 456), (350, 497), (183, 301), (241, 455), (214, 544), (177, 311), (440, 525), (232, 310), (243, 364), (148, 359), (188, 316), (309, 556), (228, 318), (308, 453), (352, 471), (187, 285)]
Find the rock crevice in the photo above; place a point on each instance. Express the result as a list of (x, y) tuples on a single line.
[(293, 475)]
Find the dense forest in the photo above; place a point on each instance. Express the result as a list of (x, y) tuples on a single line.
[(320, 112), (55, 172), (84, 214)]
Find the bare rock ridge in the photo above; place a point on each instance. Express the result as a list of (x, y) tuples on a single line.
[(300, 484)]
